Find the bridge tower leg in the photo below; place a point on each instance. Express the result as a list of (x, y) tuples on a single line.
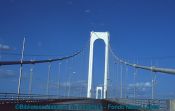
[(105, 37)]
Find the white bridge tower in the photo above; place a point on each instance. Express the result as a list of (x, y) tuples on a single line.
[(105, 37)]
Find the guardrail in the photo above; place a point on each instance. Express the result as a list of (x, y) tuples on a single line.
[(163, 104), (15, 96)]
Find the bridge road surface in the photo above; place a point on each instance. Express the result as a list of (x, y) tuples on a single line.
[(9, 105)]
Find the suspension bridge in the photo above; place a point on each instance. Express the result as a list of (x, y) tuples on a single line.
[(70, 80)]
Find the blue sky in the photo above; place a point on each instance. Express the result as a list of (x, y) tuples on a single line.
[(143, 29)]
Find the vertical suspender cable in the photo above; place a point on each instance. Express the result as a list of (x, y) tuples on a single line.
[(59, 74), (30, 81), (135, 72), (20, 75), (117, 78), (153, 82), (121, 81), (126, 76), (48, 79)]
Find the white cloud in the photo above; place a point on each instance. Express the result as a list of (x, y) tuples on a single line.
[(140, 85), (148, 84), (87, 11), (5, 47), (69, 2), (80, 83), (39, 44), (5, 74)]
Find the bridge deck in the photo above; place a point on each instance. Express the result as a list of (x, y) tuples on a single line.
[(83, 104)]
